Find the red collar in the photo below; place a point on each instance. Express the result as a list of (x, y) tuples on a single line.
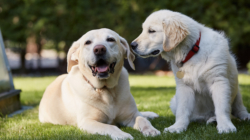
[(193, 51)]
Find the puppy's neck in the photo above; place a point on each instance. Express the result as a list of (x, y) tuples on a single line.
[(179, 53)]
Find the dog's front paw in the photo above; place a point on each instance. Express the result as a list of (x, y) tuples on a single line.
[(150, 131), (121, 136), (116, 134), (175, 129), (145, 127), (226, 128)]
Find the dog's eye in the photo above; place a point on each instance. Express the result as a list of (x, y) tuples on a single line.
[(110, 39), (87, 42), (151, 31)]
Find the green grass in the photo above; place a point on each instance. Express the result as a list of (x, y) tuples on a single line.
[(151, 93)]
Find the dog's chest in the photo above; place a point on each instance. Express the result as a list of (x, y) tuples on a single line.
[(203, 97), (105, 100), (197, 82), (192, 76)]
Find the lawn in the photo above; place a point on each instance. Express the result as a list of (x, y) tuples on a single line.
[(151, 93)]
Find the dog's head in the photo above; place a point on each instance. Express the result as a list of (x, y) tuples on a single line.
[(100, 53), (162, 31)]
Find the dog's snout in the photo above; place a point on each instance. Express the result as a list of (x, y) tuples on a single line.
[(99, 50), (134, 45)]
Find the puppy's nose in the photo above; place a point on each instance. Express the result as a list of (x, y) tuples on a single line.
[(99, 50), (134, 45)]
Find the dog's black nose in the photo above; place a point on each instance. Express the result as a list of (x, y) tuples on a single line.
[(99, 50), (134, 45)]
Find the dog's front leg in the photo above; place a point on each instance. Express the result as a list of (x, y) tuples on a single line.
[(140, 123), (184, 104), (221, 96), (95, 127), (149, 115)]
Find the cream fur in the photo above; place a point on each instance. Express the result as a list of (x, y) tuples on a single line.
[(209, 90), (70, 100)]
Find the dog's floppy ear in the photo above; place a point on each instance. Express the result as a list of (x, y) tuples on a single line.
[(174, 32), (72, 57), (130, 55)]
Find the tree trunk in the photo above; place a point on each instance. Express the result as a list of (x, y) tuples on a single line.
[(39, 49), (63, 65), (22, 58)]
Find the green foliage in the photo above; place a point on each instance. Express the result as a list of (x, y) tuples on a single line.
[(151, 93), (64, 20), (248, 66)]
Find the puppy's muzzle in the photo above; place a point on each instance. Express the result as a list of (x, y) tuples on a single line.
[(134, 45)]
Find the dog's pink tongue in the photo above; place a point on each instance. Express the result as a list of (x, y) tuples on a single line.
[(102, 68)]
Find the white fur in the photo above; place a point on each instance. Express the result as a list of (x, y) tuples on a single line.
[(209, 88), (70, 99)]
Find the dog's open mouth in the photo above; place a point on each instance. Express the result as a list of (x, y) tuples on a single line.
[(153, 53), (102, 68)]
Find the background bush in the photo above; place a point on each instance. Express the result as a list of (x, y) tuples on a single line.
[(248, 66)]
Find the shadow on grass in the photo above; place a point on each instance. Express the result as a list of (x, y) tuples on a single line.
[(31, 98), (146, 92)]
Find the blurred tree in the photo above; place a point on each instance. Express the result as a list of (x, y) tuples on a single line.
[(22, 19), (13, 26), (38, 14), (63, 21)]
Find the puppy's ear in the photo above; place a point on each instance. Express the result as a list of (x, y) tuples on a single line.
[(130, 55), (72, 57), (174, 32)]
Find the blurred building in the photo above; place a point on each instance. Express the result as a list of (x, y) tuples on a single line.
[(48, 59)]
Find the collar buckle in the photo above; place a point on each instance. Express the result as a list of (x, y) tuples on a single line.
[(195, 48)]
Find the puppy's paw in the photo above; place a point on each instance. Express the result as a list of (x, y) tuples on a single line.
[(211, 120), (175, 129), (226, 128), (243, 115), (121, 136), (150, 131), (149, 115), (246, 117)]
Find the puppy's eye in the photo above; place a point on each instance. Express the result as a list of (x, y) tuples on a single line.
[(151, 31), (110, 39), (87, 42)]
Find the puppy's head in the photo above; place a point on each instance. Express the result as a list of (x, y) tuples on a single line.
[(162, 31), (100, 52)]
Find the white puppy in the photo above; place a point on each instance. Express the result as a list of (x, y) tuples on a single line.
[(207, 87), (96, 92)]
